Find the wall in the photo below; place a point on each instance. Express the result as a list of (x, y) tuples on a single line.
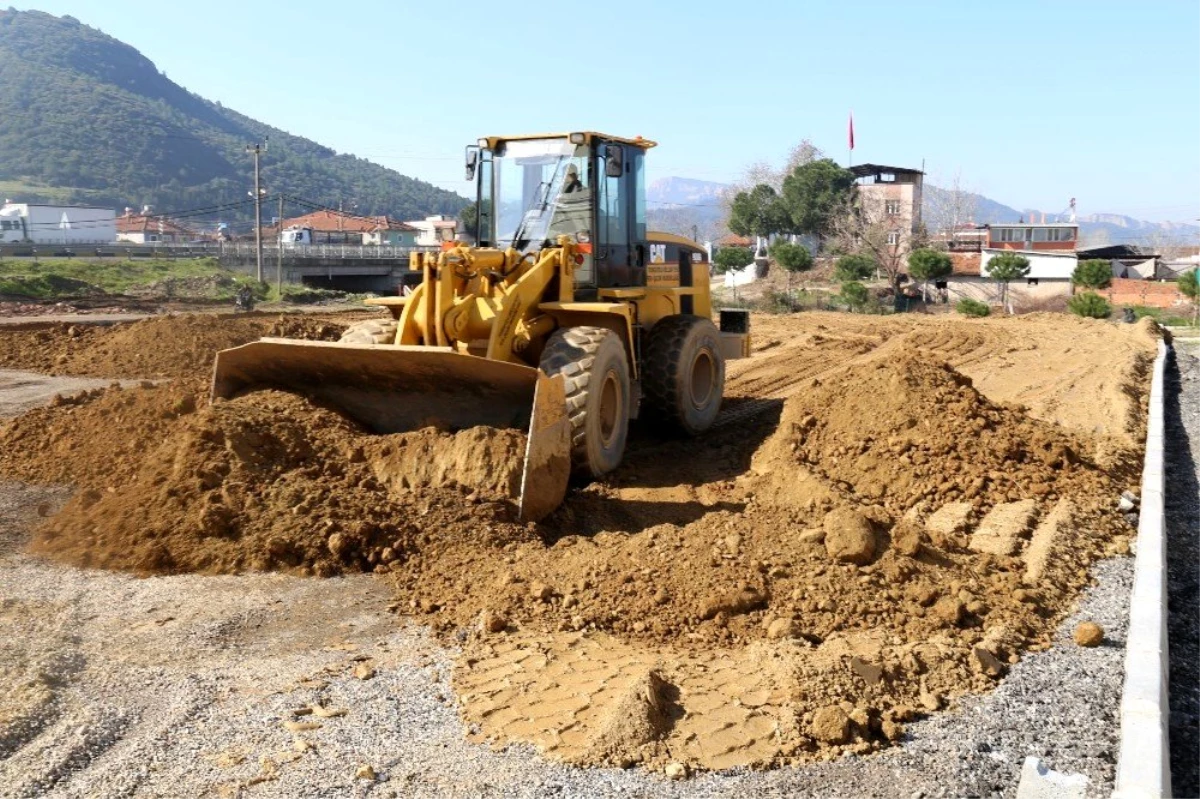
[(987, 290), (1128, 291), (1041, 265)]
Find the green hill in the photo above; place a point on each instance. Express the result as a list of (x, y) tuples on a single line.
[(85, 118)]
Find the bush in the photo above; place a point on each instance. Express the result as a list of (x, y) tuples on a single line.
[(1095, 273), (969, 307), (728, 258), (855, 294), (792, 257), (1187, 284), (1091, 305), (854, 267)]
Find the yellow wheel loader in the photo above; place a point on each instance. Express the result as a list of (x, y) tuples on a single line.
[(566, 319)]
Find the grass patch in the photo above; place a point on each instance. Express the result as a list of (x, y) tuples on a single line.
[(68, 277), (1165, 316)]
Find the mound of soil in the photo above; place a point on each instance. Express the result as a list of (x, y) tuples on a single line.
[(156, 347), (266, 481), (903, 430)]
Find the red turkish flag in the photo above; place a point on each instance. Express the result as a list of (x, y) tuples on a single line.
[(851, 130)]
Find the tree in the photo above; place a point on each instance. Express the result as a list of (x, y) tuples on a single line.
[(1094, 273), (926, 265), (1189, 287), (1089, 304), (855, 294), (1005, 268), (814, 194), (728, 258), (855, 267), (470, 221), (758, 212), (792, 257)]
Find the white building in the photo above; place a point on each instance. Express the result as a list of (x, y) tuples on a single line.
[(433, 230), (35, 223)]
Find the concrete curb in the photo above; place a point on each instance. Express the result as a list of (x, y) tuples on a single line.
[(1143, 761)]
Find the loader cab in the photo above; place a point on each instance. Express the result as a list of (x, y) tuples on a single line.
[(592, 187)]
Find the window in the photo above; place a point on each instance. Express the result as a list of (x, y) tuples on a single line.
[(893, 238), (891, 207), (1033, 281), (1012, 234)]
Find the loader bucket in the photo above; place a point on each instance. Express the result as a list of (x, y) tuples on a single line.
[(393, 389)]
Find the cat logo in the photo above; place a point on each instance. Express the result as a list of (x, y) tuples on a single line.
[(658, 253)]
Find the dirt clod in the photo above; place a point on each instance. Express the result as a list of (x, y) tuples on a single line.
[(831, 725), (849, 536), (1089, 634)]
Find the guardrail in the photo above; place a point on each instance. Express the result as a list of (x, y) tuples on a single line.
[(341, 252), (1143, 760)]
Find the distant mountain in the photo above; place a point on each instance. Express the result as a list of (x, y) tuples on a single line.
[(87, 119), (686, 205)]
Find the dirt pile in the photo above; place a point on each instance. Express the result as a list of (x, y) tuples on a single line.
[(900, 540), (267, 481), (903, 430), (156, 347)]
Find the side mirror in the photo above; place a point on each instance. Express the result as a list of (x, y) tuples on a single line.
[(472, 158), (614, 165)]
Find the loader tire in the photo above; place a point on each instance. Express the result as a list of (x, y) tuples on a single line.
[(595, 369), (683, 373), (374, 331)]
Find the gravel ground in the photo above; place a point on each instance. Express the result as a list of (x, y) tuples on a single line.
[(1183, 563), (180, 686)]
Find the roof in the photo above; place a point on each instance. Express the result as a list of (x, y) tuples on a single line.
[(734, 240), (1032, 224), (1111, 251), (329, 221), (588, 136), (140, 223), (61, 205), (862, 170)]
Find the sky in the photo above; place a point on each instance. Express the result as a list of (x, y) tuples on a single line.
[(1029, 102)]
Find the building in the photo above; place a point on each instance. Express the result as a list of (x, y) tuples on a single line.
[(62, 225), (337, 227), (891, 194), (1033, 237), (144, 228), (392, 233), (434, 230)]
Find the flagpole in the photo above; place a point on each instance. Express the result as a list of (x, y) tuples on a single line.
[(850, 142)]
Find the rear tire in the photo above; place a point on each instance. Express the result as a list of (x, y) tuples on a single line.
[(683, 372), (374, 331), (595, 369)]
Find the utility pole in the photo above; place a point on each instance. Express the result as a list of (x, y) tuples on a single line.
[(279, 254), (258, 149)]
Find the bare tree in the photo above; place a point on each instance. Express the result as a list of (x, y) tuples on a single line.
[(1167, 240), (763, 173), (948, 206), (861, 227)]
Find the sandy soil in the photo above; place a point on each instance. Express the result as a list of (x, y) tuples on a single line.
[(709, 604)]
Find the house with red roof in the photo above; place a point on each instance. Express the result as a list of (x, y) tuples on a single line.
[(144, 228)]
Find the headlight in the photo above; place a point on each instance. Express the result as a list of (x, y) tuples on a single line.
[(482, 143), (578, 138)]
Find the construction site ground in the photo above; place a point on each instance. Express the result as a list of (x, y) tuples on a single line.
[(864, 580)]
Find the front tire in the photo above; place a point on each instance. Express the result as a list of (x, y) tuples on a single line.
[(683, 372), (595, 369)]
